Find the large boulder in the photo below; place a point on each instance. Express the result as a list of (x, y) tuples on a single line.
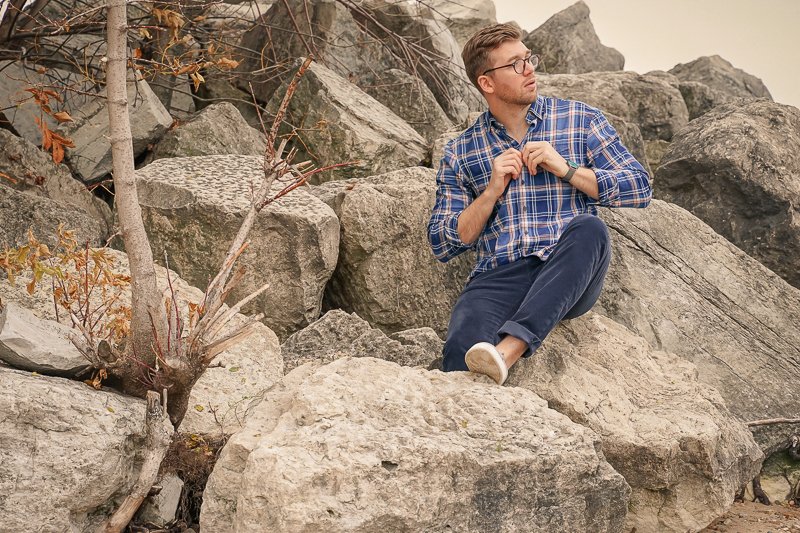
[(352, 40), (339, 123), (338, 334), (720, 75), (68, 453), (386, 272), (220, 396), (91, 156), (568, 44), (652, 100), (192, 208), (699, 97), (465, 17), (738, 169), (689, 291), (671, 436), (34, 171), (23, 211), (217, 130), (363, 445)]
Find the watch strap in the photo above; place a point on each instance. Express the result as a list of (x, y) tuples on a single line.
[(573, 167)]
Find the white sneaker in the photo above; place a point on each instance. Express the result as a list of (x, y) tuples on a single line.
[(483, 358)]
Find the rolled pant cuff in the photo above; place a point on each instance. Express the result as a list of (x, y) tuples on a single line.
[(524, 334)]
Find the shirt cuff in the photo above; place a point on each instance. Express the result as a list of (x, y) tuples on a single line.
[(607, 186), (451, 232)]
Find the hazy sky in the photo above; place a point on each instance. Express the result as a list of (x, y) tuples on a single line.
[(760, 37)]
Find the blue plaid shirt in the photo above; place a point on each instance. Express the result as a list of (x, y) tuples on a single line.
[(529, 218)]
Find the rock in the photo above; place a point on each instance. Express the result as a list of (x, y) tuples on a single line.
[(464, 18), (631, 137), (224, 390), (439, 143), (738, 169), (338, 334), (654, 153), (568, 44), (344, 41), (410, 99), (699, 97), (30, 343), (652, 101), (720, 75), (21, 212), (91, 157), (68, 453), (35, 172), (234, 17), (670, 436), (217, 130), (340, 123), (161, 508), (218, 90), (386, 272), (366, 445), (192, 208), (688, 291)]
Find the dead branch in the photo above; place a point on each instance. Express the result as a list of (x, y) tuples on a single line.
[(769, 421)]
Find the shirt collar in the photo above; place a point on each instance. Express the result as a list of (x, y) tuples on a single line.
[(535, 112)]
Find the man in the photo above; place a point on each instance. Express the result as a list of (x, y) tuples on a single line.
[(521, 186)]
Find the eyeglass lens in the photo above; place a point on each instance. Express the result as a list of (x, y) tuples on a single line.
[(519, 64)]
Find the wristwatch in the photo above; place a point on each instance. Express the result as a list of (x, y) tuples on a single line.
[(573, 166)]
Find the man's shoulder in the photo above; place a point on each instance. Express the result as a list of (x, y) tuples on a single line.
[(467, 138)]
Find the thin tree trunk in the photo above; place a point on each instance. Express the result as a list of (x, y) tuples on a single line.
[(148, 315)]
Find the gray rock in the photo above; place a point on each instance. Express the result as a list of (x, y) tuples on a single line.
[(386, 272), (68, 453), (652, 101), (465, 17), (340, 123), (720, 75), (217, 130), (410, 99), (338, 334), (738, 169), (699, 97), (568, 44), (654, 152), (219, 90), (220, 397), (193, 207), (161, 508), (35, 172), (91, 157), (688, 291), (671, 436), (31, 343), (364, 445), (21, 211)]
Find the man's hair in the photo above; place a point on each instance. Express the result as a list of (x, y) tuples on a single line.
[(477, 48)]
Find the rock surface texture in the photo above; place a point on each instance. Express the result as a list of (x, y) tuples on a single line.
[(671, 436), (193, 207), (338, 334), (568, 44), (362, 445), (720, 75), (217, 130), (738, 169), (343, 124), (386, 272), (689, 291), (653, 101), (465, 17), (67, 452)]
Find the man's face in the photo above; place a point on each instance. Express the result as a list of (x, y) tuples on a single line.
[(509, 86)]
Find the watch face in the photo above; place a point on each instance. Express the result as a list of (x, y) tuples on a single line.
[(573, 164)]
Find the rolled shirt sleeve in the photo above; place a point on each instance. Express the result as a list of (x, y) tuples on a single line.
[(621, 180), (452, 197)]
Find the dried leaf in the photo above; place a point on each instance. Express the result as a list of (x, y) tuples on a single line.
[(227, 63), (9, 178), (137, 53), (110, 409), (199, 408), (62, 116)]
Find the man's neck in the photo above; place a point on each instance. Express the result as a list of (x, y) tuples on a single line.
[(513, 117)]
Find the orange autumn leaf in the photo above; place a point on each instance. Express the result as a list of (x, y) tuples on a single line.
[(9, 178), (62, 116)]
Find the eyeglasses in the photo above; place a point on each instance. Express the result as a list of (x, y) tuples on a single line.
[(519, 64)]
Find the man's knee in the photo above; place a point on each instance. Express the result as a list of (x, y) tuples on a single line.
[(591, 226)]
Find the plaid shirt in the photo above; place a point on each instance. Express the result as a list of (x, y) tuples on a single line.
[(529, 218)]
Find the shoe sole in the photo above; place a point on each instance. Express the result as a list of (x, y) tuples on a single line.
[(481, 360)]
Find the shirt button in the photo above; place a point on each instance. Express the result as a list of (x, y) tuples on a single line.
[(526, 232)]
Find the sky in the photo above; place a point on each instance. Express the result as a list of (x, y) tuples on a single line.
[(760, 37)]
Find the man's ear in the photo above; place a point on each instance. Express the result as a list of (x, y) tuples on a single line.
[(486, 84)]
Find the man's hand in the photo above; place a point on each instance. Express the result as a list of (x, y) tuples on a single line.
[(505, 167), (542, 153)]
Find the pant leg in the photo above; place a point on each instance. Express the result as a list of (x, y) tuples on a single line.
[(567, 285), (488, 300)]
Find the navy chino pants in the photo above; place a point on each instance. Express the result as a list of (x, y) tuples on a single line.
[(529, 297)]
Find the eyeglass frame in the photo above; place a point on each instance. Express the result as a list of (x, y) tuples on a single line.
[(524, 60)]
